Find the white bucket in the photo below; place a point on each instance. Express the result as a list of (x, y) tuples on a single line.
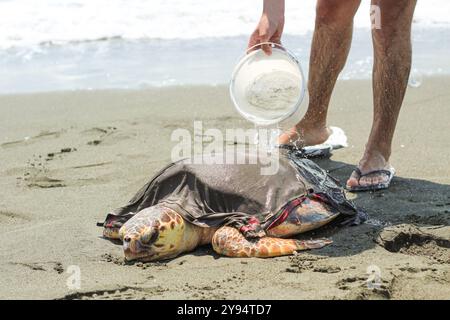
[(267, 89)]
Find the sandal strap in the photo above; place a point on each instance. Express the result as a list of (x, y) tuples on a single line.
[(379, 171), (358, 171)]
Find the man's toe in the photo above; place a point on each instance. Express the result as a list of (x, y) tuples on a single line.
[(373, 180), (353, 180), (366, 181), (370, 180)]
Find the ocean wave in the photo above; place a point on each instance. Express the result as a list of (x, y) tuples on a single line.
[(49, 22), (133, 64)]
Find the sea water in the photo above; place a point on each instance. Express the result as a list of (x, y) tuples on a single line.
[(51, 45), (266, 137)]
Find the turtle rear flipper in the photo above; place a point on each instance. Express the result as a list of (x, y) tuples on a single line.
[(230, 242)]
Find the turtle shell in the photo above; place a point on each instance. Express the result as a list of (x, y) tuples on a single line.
[(213, 195)]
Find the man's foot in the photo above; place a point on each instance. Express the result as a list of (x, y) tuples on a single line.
[(374, 163), (302, 136)]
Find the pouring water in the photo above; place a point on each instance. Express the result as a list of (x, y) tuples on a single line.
[(267, 90)]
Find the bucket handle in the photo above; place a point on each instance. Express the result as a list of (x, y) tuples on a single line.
[(272, 44)]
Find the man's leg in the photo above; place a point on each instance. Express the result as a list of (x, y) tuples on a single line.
[(392, 64), (330, 47)]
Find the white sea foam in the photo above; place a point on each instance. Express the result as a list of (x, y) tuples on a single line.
[(30, 22)]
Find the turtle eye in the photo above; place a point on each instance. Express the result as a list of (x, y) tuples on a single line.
[(149, 236)]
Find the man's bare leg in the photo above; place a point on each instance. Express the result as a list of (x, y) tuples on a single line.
[(392, 64), (330, 47)]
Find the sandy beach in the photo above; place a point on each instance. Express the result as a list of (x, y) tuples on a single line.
[(67, 158)]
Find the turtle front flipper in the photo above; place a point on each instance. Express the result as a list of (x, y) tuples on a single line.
[(230, 242)]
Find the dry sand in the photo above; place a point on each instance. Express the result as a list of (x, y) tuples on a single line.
[(68, 158)]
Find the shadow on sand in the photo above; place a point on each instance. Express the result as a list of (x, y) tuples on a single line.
[(408, 201), (412, 202)]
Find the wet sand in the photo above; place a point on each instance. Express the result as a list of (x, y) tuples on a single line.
[(68, 158)]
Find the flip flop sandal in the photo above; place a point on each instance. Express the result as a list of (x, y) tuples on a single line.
[(337, 140), (379, 186)]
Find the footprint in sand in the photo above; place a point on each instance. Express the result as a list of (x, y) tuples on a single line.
[(436, 219), (45, 183), (42, 266), (431, 242), (357, 287), (59, 154), (99, 134), (308, 262), (121, 262), (32, 139), (36, 175), (121, 293), (9, 217), (105, 135), (215, 289)]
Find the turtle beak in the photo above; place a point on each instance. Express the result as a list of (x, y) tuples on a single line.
[(131, 245), (133, 249), (126, 242)]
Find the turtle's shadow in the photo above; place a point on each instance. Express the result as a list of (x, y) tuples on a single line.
[(411, 201)]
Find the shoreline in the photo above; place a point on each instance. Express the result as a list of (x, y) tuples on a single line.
[(139, 64), (174, 87)]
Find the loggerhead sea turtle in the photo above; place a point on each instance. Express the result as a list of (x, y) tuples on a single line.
[(239, 211)]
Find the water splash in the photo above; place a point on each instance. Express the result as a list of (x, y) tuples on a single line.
[(266, 137), (415, 78), (377, 223)]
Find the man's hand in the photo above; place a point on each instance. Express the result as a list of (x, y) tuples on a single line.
[(270, 26)]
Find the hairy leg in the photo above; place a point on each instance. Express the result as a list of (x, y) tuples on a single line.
[(330, 47), (392, 64), (230, 242)]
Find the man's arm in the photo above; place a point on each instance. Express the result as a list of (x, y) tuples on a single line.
[(270, 26)]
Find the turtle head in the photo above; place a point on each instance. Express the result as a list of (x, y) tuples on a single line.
[(155, 233)]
